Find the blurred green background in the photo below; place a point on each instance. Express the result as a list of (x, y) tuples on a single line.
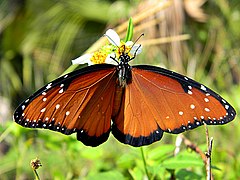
[(38, 40)]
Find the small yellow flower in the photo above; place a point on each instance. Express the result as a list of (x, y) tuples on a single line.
[(99, 57)]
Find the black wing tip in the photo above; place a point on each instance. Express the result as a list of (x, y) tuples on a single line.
[(92, 140), (81, 134), (44, 125), (137, 141), (197, 123)]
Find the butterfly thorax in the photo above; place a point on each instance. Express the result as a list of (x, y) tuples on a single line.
[(124, 70)]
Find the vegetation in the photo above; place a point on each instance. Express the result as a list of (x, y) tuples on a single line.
[(38, 40)]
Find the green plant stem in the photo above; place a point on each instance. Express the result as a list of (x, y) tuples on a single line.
[(144, 163), (5, 133), (36, 174)]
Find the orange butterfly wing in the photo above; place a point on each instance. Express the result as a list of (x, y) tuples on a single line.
[(78, 102), (159, 100)]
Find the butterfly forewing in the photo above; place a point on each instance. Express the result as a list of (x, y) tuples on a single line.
[(160, 100), (77, 102)]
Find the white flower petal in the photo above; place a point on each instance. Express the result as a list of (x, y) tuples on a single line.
[(109, 60), (129, 43), (84, 59), (137, 48), (113, 37)]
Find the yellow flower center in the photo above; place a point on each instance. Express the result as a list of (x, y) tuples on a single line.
[(123, 49), (99, 57)]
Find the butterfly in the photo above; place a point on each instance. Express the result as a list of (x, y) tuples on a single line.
[(137, 104)]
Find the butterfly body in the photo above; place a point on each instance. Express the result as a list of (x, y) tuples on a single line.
[(141, 101), (124, 70)]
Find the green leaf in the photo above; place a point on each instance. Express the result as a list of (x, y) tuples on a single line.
[(183, 160), (136, 173), (160, 152), (129, 34), (106, 176), (188, 175)]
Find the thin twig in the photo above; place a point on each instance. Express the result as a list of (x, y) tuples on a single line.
[(208, 161), (208, 155), (178, 143), (144, 163), (194, 147)]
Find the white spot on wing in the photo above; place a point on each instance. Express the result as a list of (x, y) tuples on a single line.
[(192, 106), (44, 93), (180, 113), (226, 106), (190, 92), (206, 99), (203, 87), (49, 86), (67, 113), (57, 106), (60, 91), (44, 109), (44, 99), (206, 109)]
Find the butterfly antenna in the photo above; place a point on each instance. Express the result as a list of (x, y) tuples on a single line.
[(135, 53), (111, 40), (136, 42)]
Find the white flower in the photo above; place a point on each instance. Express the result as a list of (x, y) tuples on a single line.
[(108, 52), (137, 48), (84, 59), (113, 37)]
